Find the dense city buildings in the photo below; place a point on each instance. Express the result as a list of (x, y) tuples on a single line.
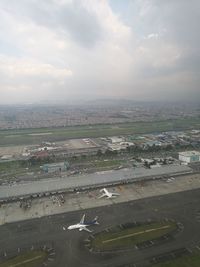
[(90, 113)]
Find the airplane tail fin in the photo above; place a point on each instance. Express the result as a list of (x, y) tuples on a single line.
[(95, 220)]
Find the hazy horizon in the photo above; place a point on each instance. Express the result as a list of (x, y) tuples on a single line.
[(102, 101), (65, 50)]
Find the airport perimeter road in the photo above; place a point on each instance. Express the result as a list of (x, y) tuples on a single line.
[(68, 245)]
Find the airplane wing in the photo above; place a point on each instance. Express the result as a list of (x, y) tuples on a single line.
[(115, 194), (82, 219), (103, 195), (85, 229)]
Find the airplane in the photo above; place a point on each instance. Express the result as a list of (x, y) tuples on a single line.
[(170, 179), (82, 225), (108, 194)]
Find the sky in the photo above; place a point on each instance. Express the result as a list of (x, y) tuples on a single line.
[(52, 51)]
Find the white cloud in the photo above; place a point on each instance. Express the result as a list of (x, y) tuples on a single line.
[(19, 67), (83, 47), (152, 35)]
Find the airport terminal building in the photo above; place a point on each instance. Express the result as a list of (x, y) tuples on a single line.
[(189, 156), (88, 181)]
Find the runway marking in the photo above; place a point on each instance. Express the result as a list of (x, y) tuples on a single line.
[(134, 234), (26, 261)]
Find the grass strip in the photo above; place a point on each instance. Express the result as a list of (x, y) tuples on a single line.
[(128, 236), (134, 234), (184, 261), (29, 259)]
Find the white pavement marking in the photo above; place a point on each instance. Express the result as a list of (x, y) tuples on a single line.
[(134, 234), (25, 261)]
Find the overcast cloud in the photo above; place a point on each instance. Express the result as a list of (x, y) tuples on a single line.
[(55, 50)]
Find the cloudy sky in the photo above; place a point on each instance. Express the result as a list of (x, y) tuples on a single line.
[(55, 50)]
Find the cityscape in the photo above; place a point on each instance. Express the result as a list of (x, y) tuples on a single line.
[(99, 133), (53, 169), (92, 112)]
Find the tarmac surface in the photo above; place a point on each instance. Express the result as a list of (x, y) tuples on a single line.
[(68, 246)]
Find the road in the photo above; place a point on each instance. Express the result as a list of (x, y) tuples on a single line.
[(68, 245)]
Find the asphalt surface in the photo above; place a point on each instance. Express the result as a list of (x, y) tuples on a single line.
[(69, 248)]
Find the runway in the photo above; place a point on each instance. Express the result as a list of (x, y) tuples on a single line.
[(69, 248)]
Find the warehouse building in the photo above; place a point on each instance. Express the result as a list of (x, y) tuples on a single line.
[(189, 156), (56, 167)]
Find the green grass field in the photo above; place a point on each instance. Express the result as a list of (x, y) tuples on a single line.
[(35, 136), (185, 261), (29, 259), (121, 238), (107, 163), (16, 168)]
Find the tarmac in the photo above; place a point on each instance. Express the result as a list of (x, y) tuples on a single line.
[(67, 249)]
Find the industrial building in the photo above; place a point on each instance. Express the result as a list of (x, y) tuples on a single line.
[(189, 156), (116, 139), (56, 167)]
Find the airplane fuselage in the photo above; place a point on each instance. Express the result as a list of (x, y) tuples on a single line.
[(80, 225), (108, 194), (76, 226)]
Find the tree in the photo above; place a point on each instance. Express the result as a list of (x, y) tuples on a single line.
[(110, 152), (99, 153)]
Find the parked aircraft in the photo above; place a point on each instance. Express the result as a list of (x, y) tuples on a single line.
[(82, 225), (108, 194), (170, 179)]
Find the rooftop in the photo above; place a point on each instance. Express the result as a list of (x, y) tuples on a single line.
[(89, 180), (189, 153)]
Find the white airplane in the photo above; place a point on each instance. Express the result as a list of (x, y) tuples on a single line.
[(108, 194), (170, 179), (82, 225)]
